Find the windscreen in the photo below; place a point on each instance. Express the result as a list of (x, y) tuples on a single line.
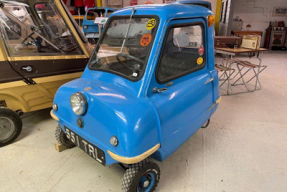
[(125, 46), (45, 34)]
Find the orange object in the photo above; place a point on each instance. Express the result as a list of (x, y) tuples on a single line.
[(146, 39), (149, 2), (211, 20)]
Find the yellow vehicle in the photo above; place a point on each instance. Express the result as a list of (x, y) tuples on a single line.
[(41, 48)]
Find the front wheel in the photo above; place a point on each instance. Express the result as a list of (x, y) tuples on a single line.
[(61, 138), (141, 177), (10, 126)]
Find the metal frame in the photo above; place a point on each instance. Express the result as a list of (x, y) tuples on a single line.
[(256, 75), (229, 56), (224, 73)]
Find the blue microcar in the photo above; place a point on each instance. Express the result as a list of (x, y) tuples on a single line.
[(91, 29), (148, 87)]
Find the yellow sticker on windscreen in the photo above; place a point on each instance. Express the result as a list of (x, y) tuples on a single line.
[(150, 24), (199, 60)]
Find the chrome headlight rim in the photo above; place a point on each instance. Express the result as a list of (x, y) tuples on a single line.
[(83, 102)]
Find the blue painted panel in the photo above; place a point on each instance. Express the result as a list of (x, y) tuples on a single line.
[(183, 108), (93, 27), (112, 111), (188, 2), (130, 111)]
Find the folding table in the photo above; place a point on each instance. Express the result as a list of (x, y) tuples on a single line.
[(229, 54)]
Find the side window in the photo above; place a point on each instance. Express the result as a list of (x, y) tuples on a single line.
[(24, 37), (15, 32), (182, 53)]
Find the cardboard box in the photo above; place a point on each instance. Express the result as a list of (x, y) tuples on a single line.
[(251, 41)]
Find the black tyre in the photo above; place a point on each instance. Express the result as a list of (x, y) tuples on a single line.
[(61, 138), (141, 177), (10, 126), (206, 124)]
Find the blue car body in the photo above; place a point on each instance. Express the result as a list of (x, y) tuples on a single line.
[(130, 110), (200, 3), (89, 27)]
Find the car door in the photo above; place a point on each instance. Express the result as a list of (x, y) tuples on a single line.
[(47, 55), (181, 87), (47, 51)]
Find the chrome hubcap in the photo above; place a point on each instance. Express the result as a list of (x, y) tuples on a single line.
[(146, 183), (7, 128)]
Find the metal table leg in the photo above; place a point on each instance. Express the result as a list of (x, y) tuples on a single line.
[(229, 85), (257, 75)]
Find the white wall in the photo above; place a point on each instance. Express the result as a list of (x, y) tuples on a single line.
[(257, 13), (213, 5)]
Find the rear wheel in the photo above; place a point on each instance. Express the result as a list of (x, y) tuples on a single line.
[(10, 126), (141, 177), (61, 138)]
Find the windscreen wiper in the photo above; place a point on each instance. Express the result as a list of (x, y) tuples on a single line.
[(128, 29)]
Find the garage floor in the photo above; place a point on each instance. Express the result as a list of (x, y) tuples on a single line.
[(243, 149)]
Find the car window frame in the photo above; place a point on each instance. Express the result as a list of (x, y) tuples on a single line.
[(74, 23), (102, 38), (66, 25), (177, 25)]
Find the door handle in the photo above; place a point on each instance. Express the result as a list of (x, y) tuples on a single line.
[(160, 90), (209, 80), (28, 68)]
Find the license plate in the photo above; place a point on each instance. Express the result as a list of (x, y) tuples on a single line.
[(193, 44), (89, 148)]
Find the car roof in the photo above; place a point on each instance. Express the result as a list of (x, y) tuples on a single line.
[(192, 2), (167, 11), (98, 8)]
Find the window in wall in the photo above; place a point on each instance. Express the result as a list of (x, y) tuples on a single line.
[(225, 11), (221, 12), (182, 53)]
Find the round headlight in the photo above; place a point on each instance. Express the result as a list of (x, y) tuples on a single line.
[(79, 103), (85, 27)]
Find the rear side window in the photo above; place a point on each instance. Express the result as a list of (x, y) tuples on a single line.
[(93, 13), (183, 52)]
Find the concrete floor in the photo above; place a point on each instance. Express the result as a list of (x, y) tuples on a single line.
[(243, 149)]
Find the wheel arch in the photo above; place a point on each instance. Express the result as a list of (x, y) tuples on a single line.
[(14, 101)]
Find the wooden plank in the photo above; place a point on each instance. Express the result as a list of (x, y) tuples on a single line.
[(59, 147), (248, 33), (241, 50)]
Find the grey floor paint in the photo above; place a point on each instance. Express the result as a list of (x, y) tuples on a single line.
[(243, 149)]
